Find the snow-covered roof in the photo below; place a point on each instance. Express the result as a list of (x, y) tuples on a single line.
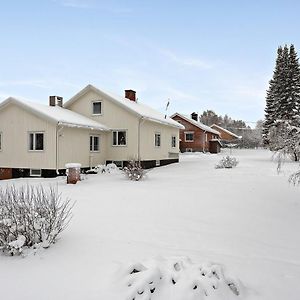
[(137, 108), (197, 123), (57, 114), (227, 131)]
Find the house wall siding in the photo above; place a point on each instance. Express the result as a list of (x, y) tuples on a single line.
[(165, 151), (15, 124), (116, 117), (74, 146)]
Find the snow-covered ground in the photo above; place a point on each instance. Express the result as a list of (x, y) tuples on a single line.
[(243, 220)]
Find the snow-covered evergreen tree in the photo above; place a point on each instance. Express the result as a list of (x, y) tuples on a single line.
[(293, 100), (273, 95), (283, 103)]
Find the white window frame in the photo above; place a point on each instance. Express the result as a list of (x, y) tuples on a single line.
[(101, 105), (189, 132), (188, 149), (93, 136), (206, 137), (173, 138), (157, 134), (1, 141), (34, 141), (112, 137), (36, 175)]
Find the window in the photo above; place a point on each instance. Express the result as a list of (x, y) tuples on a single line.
[(36, 172), (206, 137), (173, 141), (157, 140), (36, 141), (119, 138), (189, 136), (0, 141), (97, 108), (94, 143), (157, 163)]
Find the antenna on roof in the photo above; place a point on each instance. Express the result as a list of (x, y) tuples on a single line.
[(167, 106)]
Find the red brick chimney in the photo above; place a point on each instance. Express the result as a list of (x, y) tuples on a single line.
[(130, 94), (194, 116)]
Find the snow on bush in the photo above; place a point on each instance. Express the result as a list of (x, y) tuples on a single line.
[(100, 169), (134, 170), (227, 162), (295, 178), (178, 279), (31, 217)]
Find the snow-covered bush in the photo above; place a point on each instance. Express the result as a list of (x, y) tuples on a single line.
[(178, 278), (227, 162), (100, 169), (295, 178), (285, 140), (134, 170), (31, 217)]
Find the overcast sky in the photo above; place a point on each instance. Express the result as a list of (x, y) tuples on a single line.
[(202, 55)]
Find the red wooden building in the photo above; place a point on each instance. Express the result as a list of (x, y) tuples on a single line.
[(197, 136), (225, 134)]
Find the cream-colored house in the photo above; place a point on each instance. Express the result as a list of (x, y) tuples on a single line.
[(93, 127)]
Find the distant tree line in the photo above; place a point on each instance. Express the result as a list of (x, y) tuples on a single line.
[(251, 138)]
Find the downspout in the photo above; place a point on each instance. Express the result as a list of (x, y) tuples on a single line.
[(141, 120), (204, 141), (57, 147)]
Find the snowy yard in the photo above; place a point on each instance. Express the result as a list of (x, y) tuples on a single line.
[(245, 219)]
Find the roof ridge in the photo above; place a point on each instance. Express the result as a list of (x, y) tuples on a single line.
[(196, 123), (137, 108)]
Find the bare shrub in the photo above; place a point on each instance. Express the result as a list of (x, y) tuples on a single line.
[(31, 217), (227, 162), (295, 178), (134, 170)]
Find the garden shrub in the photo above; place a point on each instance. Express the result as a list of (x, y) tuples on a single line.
[(227, 162), (31, 217), (134, 170)]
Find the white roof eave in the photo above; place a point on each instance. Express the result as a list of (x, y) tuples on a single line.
[(74, 125)]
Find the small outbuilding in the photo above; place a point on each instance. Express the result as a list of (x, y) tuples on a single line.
[(215, 146)]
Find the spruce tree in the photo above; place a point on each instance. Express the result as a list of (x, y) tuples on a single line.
[(293, 100), (282, 122), (283, 95), (273, 95), (283, 87)]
